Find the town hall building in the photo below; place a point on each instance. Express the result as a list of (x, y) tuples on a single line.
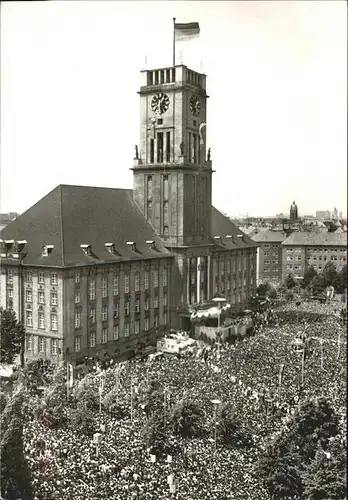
[(103, 270)]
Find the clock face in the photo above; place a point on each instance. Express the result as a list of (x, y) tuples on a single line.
[(195, 105), (160, 103)]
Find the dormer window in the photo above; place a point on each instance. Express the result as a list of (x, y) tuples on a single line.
[(111, 248), (87, 249), (132, 246), (217, 238), (46, 250), (8, 245), (228, 236), (19, 245), (151, 244)]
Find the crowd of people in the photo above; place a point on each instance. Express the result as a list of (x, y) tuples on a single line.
[(262, 377)]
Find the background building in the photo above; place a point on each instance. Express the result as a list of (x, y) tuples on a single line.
[(302, 250), (323, 214), (269, 255), (293, 212)]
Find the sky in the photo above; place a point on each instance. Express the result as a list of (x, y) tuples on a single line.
[(276, 77)]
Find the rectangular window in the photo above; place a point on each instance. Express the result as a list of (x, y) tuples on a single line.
[(54, 279), (29, 318), (91, 289), (54, 299), (54, 322), (165, 318), (137, 326), (126, 308), (115, 332), (116, 310), (156, 321), (126, 329), (105, 313), (155, 278), (29, 277), (41, 319), (41, 278), (77, 297), (29, 342), (190, 147), (77, 319), (115, 285), (77, 277), (137, 282), (193, 278), (126, 283), (195, 148), (10, 293), (77, 344), (10, 276), (165, 277), (92, 338), (149, 209), (159, 147), (164, 299), (54, 347), (137, 306), (155, 302), (149, 187), (146, 280), (168, 147), (29, 296), (146, 304), (146, 325), (152, 150), (41, 344), (92, 315), (41, 297), (104, 287), (165, 188), (165, 213), (104, 335)]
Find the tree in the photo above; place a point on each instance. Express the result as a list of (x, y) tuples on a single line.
[(86, 392), (230, 429), (325, 477), (82, 420), (187, 419), (15, 474), (330, 276), (284, 464), (290, 282), (12, 335), (155, 436), (309, 275), (343, 279), (317, 284)]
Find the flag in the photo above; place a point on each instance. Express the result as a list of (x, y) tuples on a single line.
[(186, 31)]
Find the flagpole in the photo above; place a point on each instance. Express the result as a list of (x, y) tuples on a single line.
[(173, 42)]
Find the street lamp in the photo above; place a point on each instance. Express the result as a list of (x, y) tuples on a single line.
[(219, 300), (215, 402)]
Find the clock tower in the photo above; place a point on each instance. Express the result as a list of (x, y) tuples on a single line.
[(172, 171)]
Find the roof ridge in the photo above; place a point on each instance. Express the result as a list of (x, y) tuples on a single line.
[(61, 222)]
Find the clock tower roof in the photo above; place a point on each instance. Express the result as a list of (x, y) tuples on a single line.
[(172, 77)]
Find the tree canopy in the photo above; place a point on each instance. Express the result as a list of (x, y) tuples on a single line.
[(12, 335)]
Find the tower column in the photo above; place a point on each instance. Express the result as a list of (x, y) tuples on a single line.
[(198, 278), (208, 278), (188, 280)]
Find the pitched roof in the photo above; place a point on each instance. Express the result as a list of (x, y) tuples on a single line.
[(320, 238), (70, 216), (222, 226), (269, 236)]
